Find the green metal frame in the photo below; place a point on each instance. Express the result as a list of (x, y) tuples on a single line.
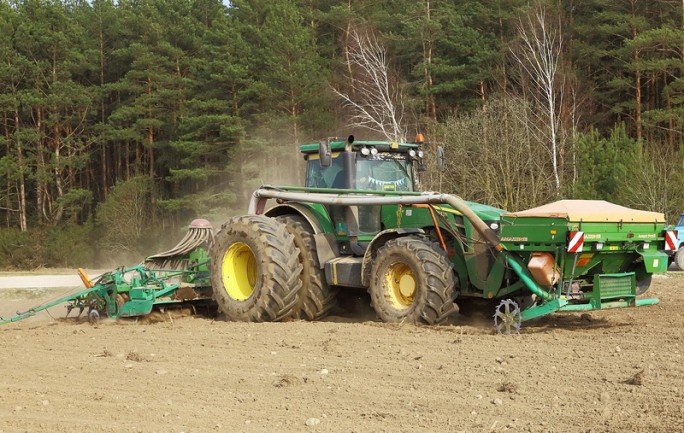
[(134, 291)]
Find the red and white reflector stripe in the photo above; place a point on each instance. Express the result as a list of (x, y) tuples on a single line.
[(576, 242), (670, 240)]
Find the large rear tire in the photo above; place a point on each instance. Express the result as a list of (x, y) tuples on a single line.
[(679, 258), (255, 270), (412, 281), (316, 297)]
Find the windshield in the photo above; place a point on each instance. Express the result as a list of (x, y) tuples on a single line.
[(681, 221), (381, 172)]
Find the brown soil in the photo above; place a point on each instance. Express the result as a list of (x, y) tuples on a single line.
[(608, 371)]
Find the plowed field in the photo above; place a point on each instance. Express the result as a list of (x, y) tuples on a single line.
[(611, 371)]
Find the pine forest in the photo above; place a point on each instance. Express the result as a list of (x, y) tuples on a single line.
[(121, 121)]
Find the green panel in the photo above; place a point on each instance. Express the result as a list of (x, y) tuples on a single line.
[(516, 230), (140, 294), (136, 308), (532, 230), (394, 216), (654, 261), (611, 231), (123, 288), (616, 285), (612, 286)]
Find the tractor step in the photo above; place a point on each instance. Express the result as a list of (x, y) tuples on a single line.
[(344, 271)]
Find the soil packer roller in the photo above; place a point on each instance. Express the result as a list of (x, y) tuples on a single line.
[(358, 223)]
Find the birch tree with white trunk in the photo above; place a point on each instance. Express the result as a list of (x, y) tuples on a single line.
[(539, 56), (373, 94)]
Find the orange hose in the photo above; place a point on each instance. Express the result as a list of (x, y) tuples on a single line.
[(434, 220)]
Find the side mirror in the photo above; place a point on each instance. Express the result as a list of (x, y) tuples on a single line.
[(440, 158), (324, 153)]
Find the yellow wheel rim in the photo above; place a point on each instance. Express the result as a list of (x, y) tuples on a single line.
[(239, 271), (401, 285)]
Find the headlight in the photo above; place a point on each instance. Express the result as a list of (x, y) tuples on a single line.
[(365, 151), (373, 151), (412, 153), (494, 226), (420, 154)]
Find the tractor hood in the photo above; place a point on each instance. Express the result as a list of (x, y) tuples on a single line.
[(590, 211), (487, 213)]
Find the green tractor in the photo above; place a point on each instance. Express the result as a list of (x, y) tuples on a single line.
[(359, 223)]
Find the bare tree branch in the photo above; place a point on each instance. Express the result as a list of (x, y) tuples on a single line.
[(539, 58), (374, 97)]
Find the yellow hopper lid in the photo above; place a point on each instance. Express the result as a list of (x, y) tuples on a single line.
[(590, 211)]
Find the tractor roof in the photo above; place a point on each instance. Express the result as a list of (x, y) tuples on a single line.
[(380, 145)]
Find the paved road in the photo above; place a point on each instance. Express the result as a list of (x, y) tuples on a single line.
[(39, 281)]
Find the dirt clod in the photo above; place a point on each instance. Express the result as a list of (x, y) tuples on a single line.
[(508, 387), (135, 356), (637, 379), (286, 380)]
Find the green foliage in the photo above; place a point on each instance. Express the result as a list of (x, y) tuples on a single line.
[(124, 222), (70, 246), (74, 201), (67, 246), (604, 165), (21, 250)]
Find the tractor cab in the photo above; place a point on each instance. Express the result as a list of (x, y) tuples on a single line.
[(362, 165)]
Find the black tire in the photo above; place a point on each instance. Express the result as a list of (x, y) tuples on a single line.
[(643, 285), (412, 281), (316, 297), (679, 258), (255, 270)]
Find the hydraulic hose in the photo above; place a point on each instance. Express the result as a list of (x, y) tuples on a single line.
[(515, 263)]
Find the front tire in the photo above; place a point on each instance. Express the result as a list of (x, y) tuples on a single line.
[(413, 281), (316, 297), (255, 270)]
